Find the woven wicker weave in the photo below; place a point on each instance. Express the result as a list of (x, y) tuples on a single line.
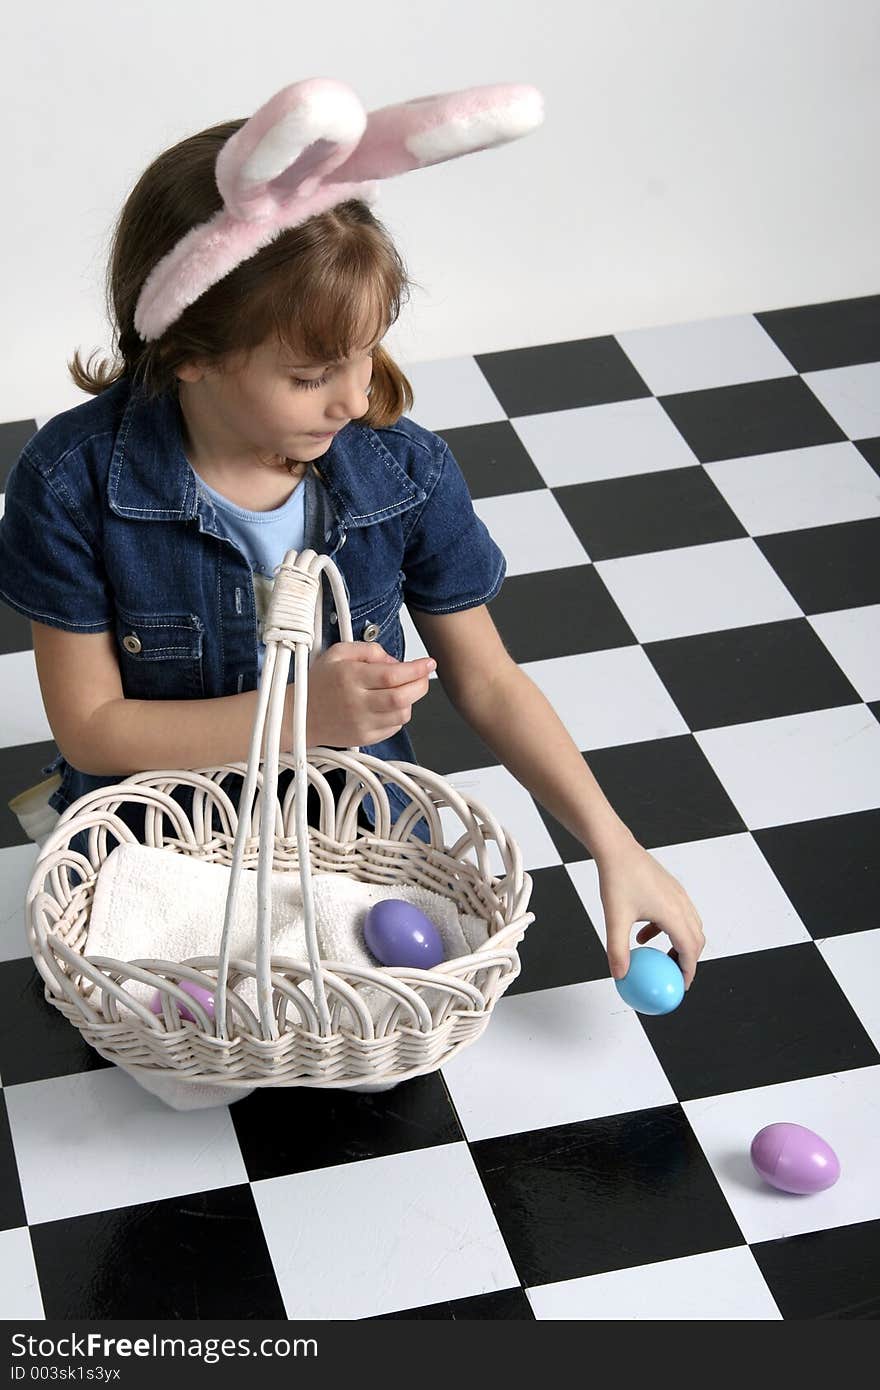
[(325, 1036)]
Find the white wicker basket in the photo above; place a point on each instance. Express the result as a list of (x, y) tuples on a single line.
[(330, 1039)]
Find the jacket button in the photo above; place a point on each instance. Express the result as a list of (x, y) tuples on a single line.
[(371, 632), (333, 618), (132, 643)]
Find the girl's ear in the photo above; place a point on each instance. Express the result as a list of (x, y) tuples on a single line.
[(188, 371)]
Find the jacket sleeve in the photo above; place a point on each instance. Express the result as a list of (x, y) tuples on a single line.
[(49, 570), (451, 561)]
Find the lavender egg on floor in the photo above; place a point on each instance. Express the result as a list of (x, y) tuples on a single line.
[(398, 933), (198, 992), (794, 1159)]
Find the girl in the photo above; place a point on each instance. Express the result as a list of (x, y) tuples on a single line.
[(253, 409)]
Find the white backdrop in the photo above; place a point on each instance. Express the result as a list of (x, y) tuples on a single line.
[(698, 157)]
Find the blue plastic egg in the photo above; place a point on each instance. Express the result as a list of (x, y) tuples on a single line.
[(397, 933), (653, 984)]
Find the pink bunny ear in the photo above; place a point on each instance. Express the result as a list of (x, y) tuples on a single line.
[(429, 130), (287, 147), (308, 148), (271, 175)]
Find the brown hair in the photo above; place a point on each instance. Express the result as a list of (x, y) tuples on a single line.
[(311, 287)]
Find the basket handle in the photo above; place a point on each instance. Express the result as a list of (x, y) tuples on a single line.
[(293, 626)]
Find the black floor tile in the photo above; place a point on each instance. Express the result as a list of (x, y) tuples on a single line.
[(665, 790), (826, 568), (12, 1212), (36, 1040), (757, 1020), (493, 459), (647, 512), (21, 766), (298, 1129), (754, 417), (14, 434), (564, 612), (825, 1274), (561, 947), (820, 337), (741, 675), (561, 376), (502, 1306), (830, 870), (203, 1255), (624, 1190)]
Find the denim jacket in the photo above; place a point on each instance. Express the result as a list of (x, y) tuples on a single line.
[(105, 527)]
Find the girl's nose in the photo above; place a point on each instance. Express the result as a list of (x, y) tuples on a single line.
[(352, 399)]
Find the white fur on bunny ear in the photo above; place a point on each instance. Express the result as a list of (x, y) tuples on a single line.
[(429, 130), (287, 147)]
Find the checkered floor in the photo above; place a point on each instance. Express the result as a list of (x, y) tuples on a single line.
[(691, 516)]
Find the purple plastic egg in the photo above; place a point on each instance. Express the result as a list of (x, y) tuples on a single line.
[(199, 993), (794, 1159), (398, 933)]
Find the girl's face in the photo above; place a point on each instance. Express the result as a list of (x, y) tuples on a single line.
[(272, 406)]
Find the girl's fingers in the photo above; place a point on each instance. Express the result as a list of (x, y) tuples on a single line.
[(687, 964), (685, 958)]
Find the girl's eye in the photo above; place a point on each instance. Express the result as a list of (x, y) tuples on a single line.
[(318, 381), (311, 385)]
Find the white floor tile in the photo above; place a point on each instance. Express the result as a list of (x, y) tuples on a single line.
[(697, 588), (798, 767), (20, 1297), (841, 1108), (16, 870), (608, 698), (97, 1140), (703, 355), (451, 393), (851, 395), (740, 900), (413, 646), (382, 1235), (554, 1056), (852, 635), (724, 1286), (854, 960), (532, 530), (588, 443), (499, 793), (24, 718), (792, 489)]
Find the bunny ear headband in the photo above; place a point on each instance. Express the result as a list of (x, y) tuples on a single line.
[(312, 146)]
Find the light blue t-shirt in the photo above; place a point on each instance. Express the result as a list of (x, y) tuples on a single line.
[(265, 538)]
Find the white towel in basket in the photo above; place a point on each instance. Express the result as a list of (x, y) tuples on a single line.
[(159, 903)]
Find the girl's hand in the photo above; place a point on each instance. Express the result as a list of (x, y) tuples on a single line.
[(634, 887), (360, 695)]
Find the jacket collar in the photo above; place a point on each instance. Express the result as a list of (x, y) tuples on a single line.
[(151, 479)]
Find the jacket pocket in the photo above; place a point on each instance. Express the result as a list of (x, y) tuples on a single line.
[(379, 621), (160, 655)]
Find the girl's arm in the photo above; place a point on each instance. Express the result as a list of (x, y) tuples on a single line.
[(514, 718), (101, 732)]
